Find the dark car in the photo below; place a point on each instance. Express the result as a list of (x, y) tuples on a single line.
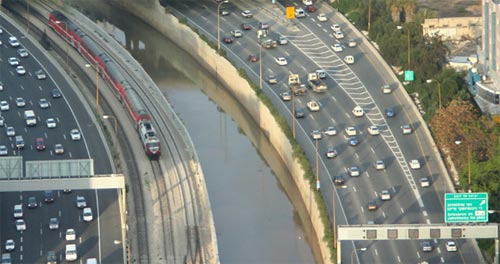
[(56, 93), (372, 206), (40, 143), (389, 112), (353, 141), (228, 40), (32, 203), (263, 25), (338, 180), (48, 196), (311, 8), (253, 58), (300, 113), (331, 153), (246, 26)]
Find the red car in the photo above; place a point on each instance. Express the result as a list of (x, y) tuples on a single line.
[(311, 9), (246, 26), (228, 40), (40, 144), (253, 58)]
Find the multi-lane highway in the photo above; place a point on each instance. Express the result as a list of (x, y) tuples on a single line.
[(349, 85), (33, 244)]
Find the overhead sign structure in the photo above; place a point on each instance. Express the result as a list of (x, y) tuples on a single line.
[(290, 12), (466, 207), (409, 76)]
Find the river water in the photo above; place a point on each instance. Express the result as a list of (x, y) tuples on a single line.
[(259, 217)]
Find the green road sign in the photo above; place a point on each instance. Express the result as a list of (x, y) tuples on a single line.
[(409, 76), (465, 207)]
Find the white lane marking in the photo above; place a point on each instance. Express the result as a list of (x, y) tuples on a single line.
[(286, 53), (435, 241), (21, 240), (439, 250), (356, 154), (383, 214), (333, 120), (362, 210), (376, 252), (428, 221), (373, 151), (399, 259), (354, 188), (418, 255), (334, 99), (402, 210), (442, 260), (393, 189), (367, 175), (376, 194), (425, 213)]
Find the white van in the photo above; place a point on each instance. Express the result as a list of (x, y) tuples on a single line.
[(19, 142), (70, 253), (91, 261), (30, 117), (18, 211)]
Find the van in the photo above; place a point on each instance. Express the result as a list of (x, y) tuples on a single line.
[(6, 259), (92, 261), (19, 142), (299, 12), (30, 117), (18, 211), (70, 252), (321, 74)]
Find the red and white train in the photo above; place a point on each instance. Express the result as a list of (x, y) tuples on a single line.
[(113, 75)]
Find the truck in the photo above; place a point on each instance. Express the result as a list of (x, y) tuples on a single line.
[(30, 117), (268, 43), (316, 83), (294, 84)]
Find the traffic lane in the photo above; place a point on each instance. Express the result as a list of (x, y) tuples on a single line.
[(8, 228), (108, 215)]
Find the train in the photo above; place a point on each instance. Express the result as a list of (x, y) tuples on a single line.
[(109, 70)]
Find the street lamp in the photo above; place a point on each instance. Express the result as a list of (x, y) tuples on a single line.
[(458, 142), (218, 22), (439, 90), (115, 141), (369, 14), (293, 113), (260, 66), (96, 86), (317, 167), (355, 250)]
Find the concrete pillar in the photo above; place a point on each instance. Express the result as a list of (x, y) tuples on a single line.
[(496, 251)]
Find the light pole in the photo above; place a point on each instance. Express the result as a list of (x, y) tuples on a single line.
[(409, 54), (293, 113), (115, 139), (260, 66), (354, 250), (439, 90), (369, 14), (458, 142), (96, 86), (218, 23), (317, 167)]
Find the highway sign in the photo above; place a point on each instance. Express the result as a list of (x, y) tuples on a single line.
[(409, 76), (465, 207), (290, 12)]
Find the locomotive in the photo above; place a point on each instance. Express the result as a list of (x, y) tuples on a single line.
[(110, 71)]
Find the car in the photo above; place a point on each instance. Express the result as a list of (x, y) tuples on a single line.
[(1, 86), (281, 61), (224, 12), (10, 131), (389, 112), (386, 89), (2, 121), (357, 111), (322, 17), (379, 165), (247, 14), (331, 153), (13, 42), (415, 164), (81, 202), (18, 211), (53, 224), (48, 196), (271, 79), (286, 96), (75, 134), (40, 75), (338, 34), (228, 40), (385, 195), (252, 58), (246, 26), (40, 143), (352, 43), (43, 103), (32, 203), (237, 33), (20, 102), (338, 180), (373, 130), (13, 61), (337, 47), (330, 131), (56, 93), (299, 12), (336, 28), (263, 25), (349, 59), (6, 258), (451, 246), (313, 106), (51, 257), (353, 171), (353, 141), (4, 106), (20, 225), (282, 40), (23, 53), (300, 113), (426, 246), (311, 8), (66, 191), (406, 129), (425, 182), (321, 73), (58, 149), (351, 131), (316, 135), (70, 234), (10, 245), (3, 150), (372, 206), (20, 70), (51, 123), (87, 214)]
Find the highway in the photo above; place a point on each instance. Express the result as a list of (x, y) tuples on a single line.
[(33, 244), (358, 84)]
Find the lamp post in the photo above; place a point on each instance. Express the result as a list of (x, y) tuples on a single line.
[(115, 140), (96, 86), (458, 142), (317, 167), (369, 14), (409, 54), (439, 90), (260, 66), (355, 250), (218, 23), (293, 113)]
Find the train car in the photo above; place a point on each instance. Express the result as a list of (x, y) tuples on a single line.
[(109, 71)]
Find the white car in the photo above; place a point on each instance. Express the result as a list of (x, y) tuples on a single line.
[(13, 42), (322, 17), (10, 131), (425, 182), (70, 234), (315, 134), (13, 61), (20, 102), (281, 61), (313, 106), (51, 123), (81, 202), (2, 121), (75, 134), (20, 225), (385, 195), (40, 75), (379, 165), (358, 111), (3, 150), (353, 171), (87, 214), (338, 34), (20, 70), (373, 130), (4, 106), (286, 96), (330, 131), (352, 43), (406, 129), (10, 245), (247, 14), (451, 246), (415, 164), (23, 53), (58, 149), (331, 153), (237, 33), (337, 47), (351, 131), (43, 103), (349, 59), (336, 27), (53, 224), (386, 89)]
